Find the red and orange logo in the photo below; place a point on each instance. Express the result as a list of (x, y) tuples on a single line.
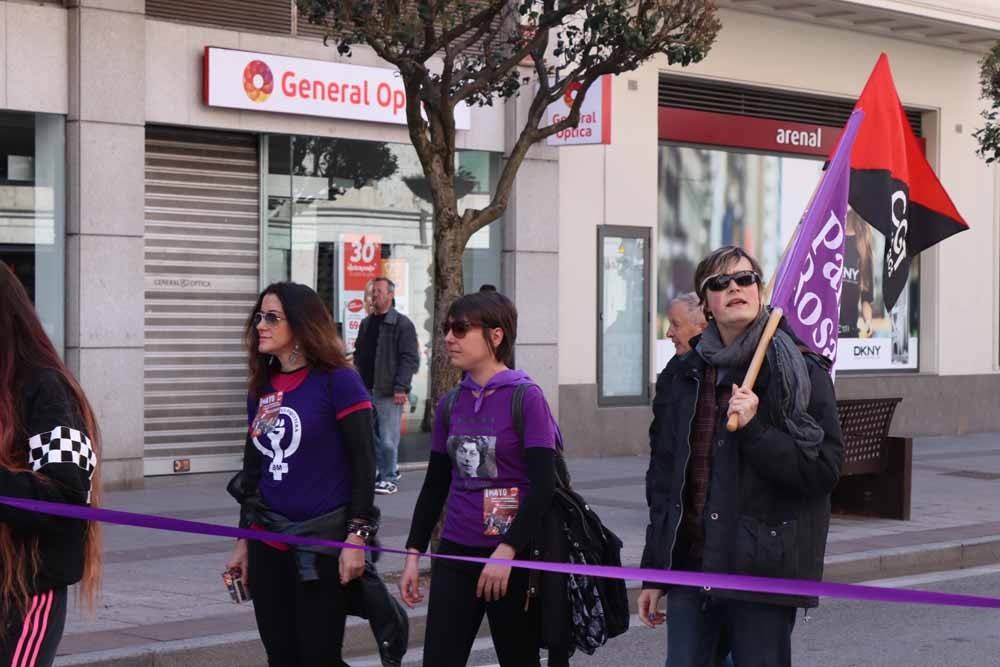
[(258, 82), (571, 92)]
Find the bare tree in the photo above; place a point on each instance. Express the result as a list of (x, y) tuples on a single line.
[(453, 52)]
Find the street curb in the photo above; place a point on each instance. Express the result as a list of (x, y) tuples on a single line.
[(904, 561), (244, 649)]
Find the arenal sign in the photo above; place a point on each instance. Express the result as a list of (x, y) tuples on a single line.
[(719, 129), (264, 82)]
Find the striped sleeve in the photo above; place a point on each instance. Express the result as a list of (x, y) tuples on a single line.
[(351, 409)]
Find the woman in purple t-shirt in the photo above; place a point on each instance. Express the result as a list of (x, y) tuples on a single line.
[(497, 488), (308, 469)]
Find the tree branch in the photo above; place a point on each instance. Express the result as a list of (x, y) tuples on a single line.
[(528, 137), (480, 23), (531, 134), (602, 37), (413, 83), (488, 78), (428, 17)]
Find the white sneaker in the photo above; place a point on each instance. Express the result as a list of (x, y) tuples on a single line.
[(385, 488)]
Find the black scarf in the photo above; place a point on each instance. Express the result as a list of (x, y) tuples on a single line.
[(790, 388)]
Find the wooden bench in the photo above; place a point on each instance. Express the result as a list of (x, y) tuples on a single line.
[(876, 475)]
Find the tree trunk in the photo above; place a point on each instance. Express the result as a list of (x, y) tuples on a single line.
[(449, 284), (449, 246)]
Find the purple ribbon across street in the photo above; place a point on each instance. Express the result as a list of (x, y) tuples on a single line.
[(675, 577)]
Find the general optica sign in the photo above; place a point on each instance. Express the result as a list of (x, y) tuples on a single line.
[(595, 116), (264, 82)]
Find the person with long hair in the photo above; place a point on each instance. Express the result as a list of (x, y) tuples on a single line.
[(309, 470), (479, 334), (49, 450)]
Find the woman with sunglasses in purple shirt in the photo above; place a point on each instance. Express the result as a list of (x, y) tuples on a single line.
[(308, 470), (497, 488)]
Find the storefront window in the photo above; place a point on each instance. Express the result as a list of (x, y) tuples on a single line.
[(341, 212), (32, 211), (709, 198)]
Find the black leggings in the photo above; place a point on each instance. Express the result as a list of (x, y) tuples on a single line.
[(31, 639), (301, 624), (454, 614)]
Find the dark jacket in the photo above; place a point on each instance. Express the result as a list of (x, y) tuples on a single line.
[(768, 508), (330, 526), (52, 440), (367, 596), (396, 355)]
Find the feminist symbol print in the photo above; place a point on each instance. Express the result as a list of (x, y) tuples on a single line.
[(283, 439)]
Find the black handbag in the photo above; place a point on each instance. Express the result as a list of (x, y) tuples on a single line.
[(578, 611)]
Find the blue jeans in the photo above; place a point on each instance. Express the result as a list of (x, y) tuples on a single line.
[(701, 631), (387, 417)]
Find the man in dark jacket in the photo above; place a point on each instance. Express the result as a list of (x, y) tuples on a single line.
[(752, 502), (386, 356)]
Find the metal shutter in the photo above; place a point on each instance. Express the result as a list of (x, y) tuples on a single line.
[(201, 274), (303, 28), (267, 16), (684, 92)]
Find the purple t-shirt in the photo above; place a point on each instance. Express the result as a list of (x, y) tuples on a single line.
[(489, 474), (305, 470)]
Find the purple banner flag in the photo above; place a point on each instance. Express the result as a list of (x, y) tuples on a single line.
[(808, 282)]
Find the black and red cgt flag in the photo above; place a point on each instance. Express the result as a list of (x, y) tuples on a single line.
[(892, 185)]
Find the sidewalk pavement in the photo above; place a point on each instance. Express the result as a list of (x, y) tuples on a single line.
[(164, 603)]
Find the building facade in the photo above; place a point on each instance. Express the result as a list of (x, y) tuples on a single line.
[(729, 151), (163, 160)]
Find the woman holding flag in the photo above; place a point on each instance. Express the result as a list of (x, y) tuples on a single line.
[(755, 501)]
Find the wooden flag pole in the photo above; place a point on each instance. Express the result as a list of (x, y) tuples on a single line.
[(757, 361), (772, 325)]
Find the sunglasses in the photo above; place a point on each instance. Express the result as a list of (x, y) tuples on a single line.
[(720, 281), (458, 327), (270, 319)]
